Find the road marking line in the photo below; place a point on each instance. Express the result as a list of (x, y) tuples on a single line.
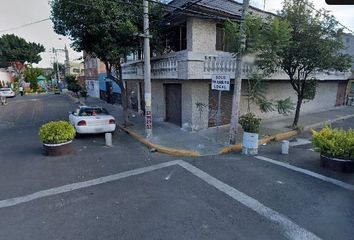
[(79, 185), (309, 173), (299, 142), (290, 229)]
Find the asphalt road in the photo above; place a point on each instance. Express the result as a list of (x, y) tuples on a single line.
[(126, 192)]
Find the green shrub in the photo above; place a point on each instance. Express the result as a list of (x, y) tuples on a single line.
[(83, 93), (334, 142), (56, 132), (250, 123)]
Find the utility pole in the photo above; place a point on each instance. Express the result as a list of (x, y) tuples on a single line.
[(56, 65), (238, 76), (147, 72)]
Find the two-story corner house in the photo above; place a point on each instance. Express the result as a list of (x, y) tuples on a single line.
[(195, 50)]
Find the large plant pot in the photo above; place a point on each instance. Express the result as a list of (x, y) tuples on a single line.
[(58, 149), (337, 164), (250, 143)]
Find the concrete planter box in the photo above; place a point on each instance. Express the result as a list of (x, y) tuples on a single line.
[(58, 149), (250, 143), (337, 164)]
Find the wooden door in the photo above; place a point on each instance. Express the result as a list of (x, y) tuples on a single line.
[(174, 103), (342, 87)]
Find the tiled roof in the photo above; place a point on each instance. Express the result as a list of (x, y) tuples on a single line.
[(227, 6)]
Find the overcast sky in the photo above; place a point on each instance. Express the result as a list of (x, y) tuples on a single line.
[(14, 13)]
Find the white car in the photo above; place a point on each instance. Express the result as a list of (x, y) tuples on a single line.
[(89, 119), (7, 92)]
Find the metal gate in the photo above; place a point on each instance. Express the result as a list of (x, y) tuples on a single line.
[(174, 103)]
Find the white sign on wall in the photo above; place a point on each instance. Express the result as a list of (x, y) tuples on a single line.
[(220, 82)]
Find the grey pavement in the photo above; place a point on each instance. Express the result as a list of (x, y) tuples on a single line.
[(224, 197), (205, 141)]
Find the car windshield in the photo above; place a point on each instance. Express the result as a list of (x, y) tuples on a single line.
[(93, 111), (4, 89)]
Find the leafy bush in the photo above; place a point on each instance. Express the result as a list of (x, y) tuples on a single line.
[(334, 142), (250, 123), (83, 93), (56, 132)]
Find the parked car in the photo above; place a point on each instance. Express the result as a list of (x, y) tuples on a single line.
[(92, 119), (7, 92)]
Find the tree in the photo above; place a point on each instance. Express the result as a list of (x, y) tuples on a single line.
[(104, 29), (31, 74), (256, 30), (73, 85), (16, 52), (315, 44)]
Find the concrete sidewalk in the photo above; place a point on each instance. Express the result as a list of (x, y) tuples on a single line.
[(172, 139)]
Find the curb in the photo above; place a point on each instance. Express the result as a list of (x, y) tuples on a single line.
[(159, 148), (320, 124), (283, 135), (276, 137)]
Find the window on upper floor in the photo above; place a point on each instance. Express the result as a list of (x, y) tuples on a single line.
[(220, 38), (176, 38), (221, 43)]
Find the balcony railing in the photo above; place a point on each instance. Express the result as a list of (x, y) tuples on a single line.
[(186, 65)]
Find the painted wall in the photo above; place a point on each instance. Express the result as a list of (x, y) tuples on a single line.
[(158, 100), (325, 98), (102, 83), (92, 87), (5, 77), (197, 104), (195, 100)]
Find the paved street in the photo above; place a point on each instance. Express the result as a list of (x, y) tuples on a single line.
[(126, 192)]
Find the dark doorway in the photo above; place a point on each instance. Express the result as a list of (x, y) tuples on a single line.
[(174, 103), (342, 87)]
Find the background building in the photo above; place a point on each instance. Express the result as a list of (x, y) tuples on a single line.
[(96, 82)]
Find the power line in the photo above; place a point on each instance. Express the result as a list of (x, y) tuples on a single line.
[(188, 10), (318, 11), (24, 25)]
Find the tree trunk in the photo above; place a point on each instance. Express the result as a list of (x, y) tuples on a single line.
[(124, 97), (297, 111)]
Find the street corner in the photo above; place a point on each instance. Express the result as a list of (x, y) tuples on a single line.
[(159, 148)]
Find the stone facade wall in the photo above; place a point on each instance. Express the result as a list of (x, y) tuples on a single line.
[(201, 35)]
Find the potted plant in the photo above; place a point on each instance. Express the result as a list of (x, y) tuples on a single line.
[(57, 137), (250, 125), (336, 147)]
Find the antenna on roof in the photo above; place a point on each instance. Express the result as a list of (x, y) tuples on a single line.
[(264, 5)]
